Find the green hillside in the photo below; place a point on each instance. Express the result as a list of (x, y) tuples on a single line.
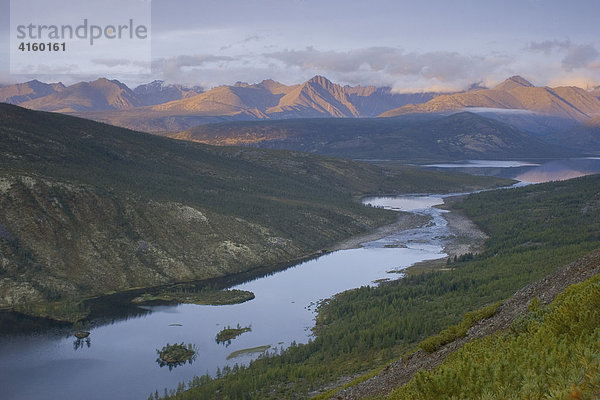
[(533, 231), (87, 208), (552, 352)]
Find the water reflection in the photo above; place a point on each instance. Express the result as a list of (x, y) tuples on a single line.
[(81, 343), (532, 171), (174, 364), (560, 170)]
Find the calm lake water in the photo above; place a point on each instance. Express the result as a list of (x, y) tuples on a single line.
[(119, 360), (529, 171)]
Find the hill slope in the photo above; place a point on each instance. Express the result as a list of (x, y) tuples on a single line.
[(87, 208), (456, 137), (485, 337)]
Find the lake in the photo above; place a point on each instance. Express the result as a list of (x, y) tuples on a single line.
[(528, 171), (119, 360)]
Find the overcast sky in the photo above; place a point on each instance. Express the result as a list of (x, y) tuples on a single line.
[(409, 45)]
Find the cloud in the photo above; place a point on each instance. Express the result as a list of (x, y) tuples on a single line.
[(577, 55), (173, 68), (110, 62), (547, 46), (393, 66), (246, 40), (580, 56)]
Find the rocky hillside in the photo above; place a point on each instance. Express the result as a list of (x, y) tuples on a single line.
[(87, 208)]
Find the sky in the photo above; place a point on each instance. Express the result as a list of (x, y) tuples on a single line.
[(412, 46)]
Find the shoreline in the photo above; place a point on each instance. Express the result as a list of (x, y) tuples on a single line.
[(405, 221), (466, 237)]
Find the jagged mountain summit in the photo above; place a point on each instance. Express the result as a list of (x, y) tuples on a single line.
[(158, 92), (101, 94)]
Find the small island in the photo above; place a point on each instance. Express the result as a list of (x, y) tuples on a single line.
[(81, 334), (202, 297), (229, 333), (176, 354)]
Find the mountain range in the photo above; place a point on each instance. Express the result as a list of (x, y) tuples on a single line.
[(159, 107), (99, 95)]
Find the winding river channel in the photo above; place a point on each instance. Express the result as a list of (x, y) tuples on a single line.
[(119, 359)]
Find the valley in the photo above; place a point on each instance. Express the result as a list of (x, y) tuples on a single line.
[(364, 329), (89, 209), (96, 216), (273, 200), (181, 323)]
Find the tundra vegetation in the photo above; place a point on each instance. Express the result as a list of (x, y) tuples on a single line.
[(533, 230)]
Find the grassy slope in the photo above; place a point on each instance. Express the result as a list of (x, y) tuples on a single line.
[(87, 208), (533, 231)]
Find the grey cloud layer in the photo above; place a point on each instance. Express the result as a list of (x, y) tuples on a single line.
[(375, 65), (577, 55), (443, 66)]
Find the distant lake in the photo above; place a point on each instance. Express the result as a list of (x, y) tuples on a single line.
[(528, 171)]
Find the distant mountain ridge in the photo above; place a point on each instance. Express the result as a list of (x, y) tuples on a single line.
[(158, 92), (159, 107), (317, 97), (22, 92), (515, 93)]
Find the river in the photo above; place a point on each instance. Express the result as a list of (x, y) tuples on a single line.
[(119, 360)]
